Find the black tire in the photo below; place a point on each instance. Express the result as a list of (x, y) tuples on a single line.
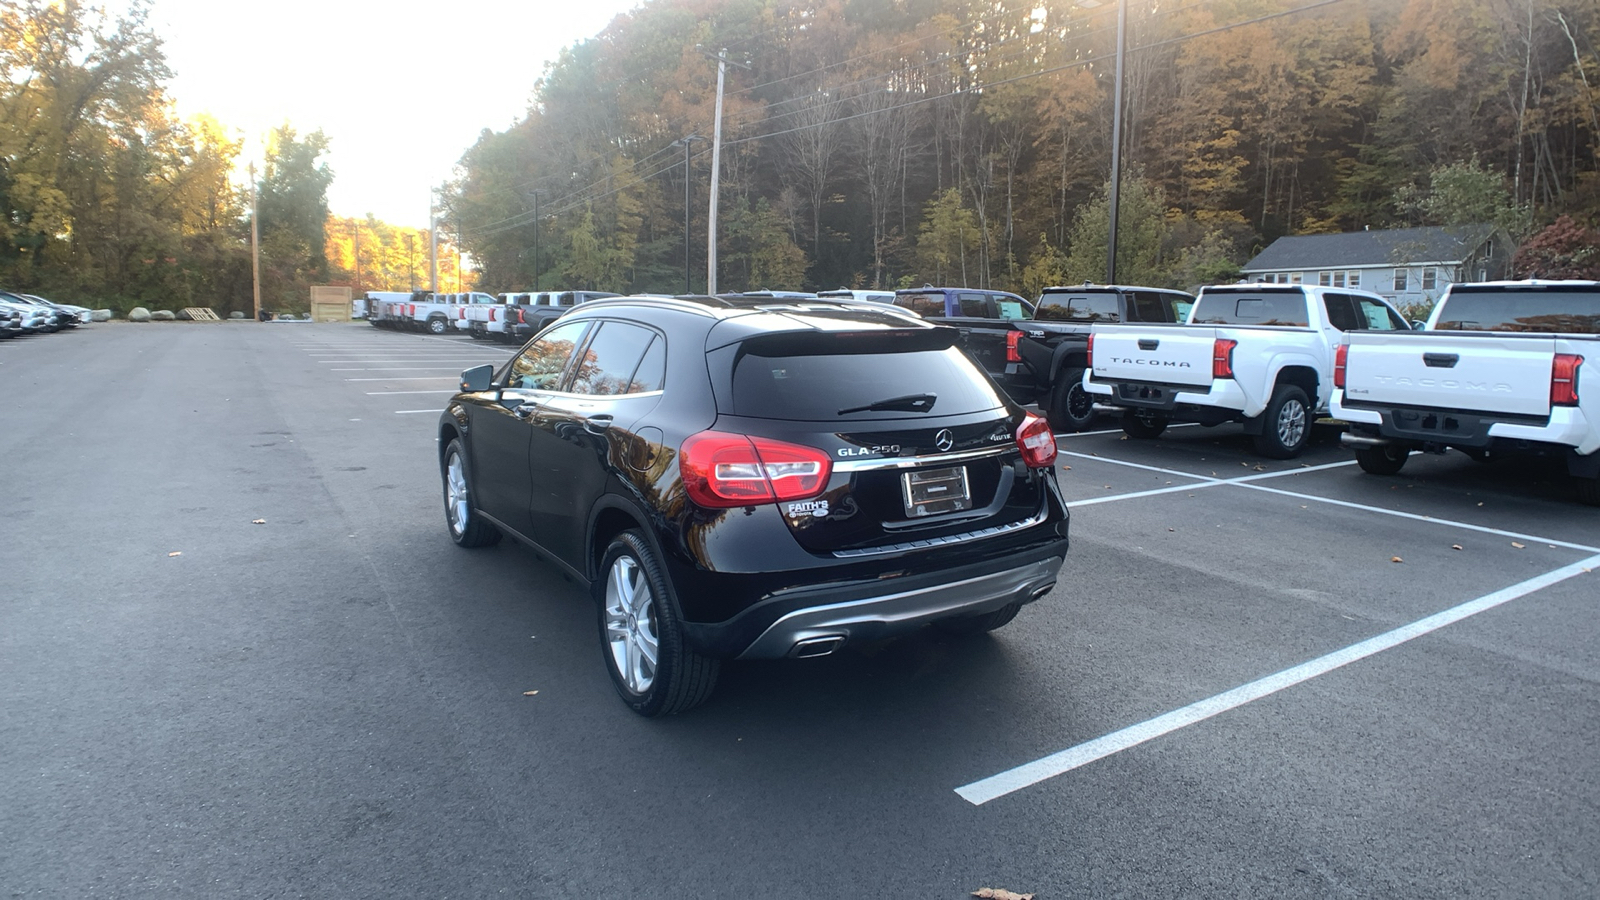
[(1071, 407), (467, 528), (1588, 490), (638, 615), (1286, 424), (1143, 424), (1386, 460), (437, 325), (979, 624)]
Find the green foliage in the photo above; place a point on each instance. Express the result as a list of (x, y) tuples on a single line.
[(947, 240), (1141, 230), (1465, 194), (292, 200)]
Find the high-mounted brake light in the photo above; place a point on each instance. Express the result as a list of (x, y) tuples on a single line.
[(1564, 379), (1036, 441), (1012, 337), (1222, 358), (1089, 355), (722, 470), (1339, 357)]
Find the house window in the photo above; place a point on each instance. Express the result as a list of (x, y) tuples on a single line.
[(1294, 278), (1354, 279), (1338, 279), (1325, 278), (1401, 281), (1428, 278)]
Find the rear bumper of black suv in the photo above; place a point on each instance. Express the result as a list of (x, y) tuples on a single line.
[(879, 600)]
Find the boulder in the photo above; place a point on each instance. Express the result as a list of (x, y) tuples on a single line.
[(138, 314), (163, 315), (100, 315), (236, 315)]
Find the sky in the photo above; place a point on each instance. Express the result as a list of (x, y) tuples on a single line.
[(401, 91)]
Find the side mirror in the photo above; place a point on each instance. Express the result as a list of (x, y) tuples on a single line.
[(477, 378), (1418, 325)]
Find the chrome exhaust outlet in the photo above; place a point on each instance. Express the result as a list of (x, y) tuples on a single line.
[(1107, 408), (1041, 591), (811, 648), (1360, 440)]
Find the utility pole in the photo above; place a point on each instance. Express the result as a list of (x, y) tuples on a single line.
[(255, 243), (1116, 143), (686, 141), (535, 240), (355, 237), (411, 260), (716, 171), (433, 246)]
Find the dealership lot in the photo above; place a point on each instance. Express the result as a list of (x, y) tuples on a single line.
[(1243, 685)]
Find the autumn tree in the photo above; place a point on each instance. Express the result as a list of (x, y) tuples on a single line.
[(1563, 250)]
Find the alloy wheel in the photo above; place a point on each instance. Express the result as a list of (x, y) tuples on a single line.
[(631, 624)]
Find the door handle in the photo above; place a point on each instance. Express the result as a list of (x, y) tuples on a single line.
[(597, 424), (1148, 343), (1440, 360), (525, 411)]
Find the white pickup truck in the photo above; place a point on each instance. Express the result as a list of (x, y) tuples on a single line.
[(1499, 371), (1260, 354)]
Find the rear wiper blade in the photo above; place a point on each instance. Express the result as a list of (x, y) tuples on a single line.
[(907, 403)]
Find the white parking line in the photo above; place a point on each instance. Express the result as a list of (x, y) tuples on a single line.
[(1012, 780), (1205, 482), (382, 393), (1516, 535), (395, 369), (1134, 465), (409, 378), (1062, 434), (407, 412)]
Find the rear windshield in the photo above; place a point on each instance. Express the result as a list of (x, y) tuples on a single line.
[(930, 304), (1096, 307), (814, 387), (1561, 312), (1251, 308)]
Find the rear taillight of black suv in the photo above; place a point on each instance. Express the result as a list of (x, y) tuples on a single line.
[(1037, 442), (722, 470)]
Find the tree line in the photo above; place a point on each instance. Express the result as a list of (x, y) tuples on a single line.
[(108, 198), (884, 143)]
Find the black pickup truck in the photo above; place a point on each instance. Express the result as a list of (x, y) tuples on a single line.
[(1037, 352)]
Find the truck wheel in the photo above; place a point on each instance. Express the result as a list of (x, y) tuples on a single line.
[(965, 625), (641, 638), (1287, 424), (1588, 490), (1071, 408), (467, 529), (1382, 460), (1143, 424), (437, 325)]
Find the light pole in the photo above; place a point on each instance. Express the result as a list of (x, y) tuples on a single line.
[(1116, 132), (716, 170), (686, 140), (535, 196)]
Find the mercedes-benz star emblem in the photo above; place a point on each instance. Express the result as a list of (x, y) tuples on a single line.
[(944, 440)]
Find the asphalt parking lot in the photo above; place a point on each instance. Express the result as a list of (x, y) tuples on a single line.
[(1255, 679)]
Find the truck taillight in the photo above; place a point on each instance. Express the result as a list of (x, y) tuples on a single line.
[(1088, 357), (1222, 358), (1012, 337), (722, 470), (1037, 443), (521, 318), (1339, 357), (1564, 379)]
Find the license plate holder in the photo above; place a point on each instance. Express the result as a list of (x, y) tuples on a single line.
[(931, 492)]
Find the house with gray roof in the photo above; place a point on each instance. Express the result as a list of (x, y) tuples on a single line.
[(1408, 266)]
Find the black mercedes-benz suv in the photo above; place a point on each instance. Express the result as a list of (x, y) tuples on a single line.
[(755, 481)]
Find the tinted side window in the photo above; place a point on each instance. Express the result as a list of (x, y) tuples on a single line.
[(652, 372), (974, 306), (1341, 312), (1251, 308), (539, 367), (1374, 316), (1562, 312), (928, 304), (610, 359)]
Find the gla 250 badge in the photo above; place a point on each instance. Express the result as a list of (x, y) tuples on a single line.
[(867, 451)]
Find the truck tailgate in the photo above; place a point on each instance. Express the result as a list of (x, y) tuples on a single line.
[(1167, 355), (1444, 370)]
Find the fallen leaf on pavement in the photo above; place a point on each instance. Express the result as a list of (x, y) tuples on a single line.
[(529, 693), (1517, 545), (176, 553), (1068, 468), (1396, 559), (258, 521), (998, 894), (1172, 529), (1455, 546)]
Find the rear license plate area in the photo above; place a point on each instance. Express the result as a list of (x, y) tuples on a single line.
[(930, 492)]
